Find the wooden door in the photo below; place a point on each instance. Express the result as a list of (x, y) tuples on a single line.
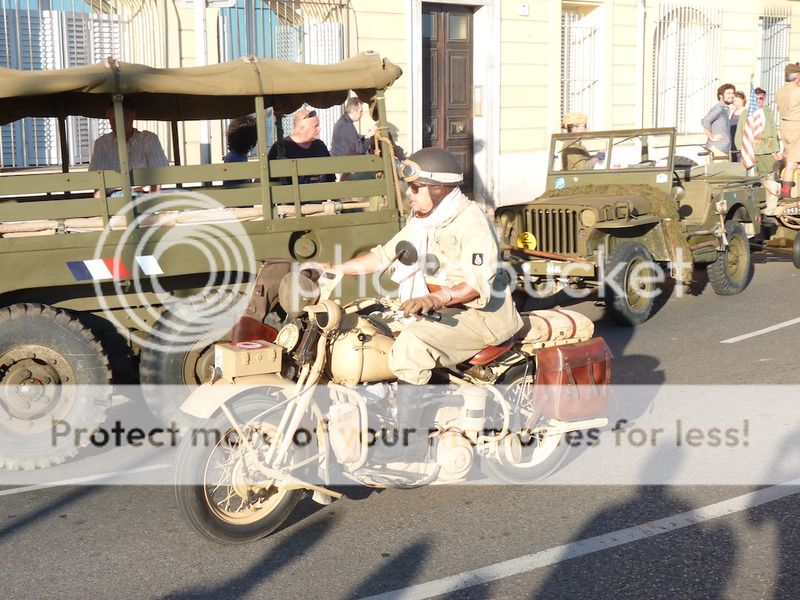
[(447, 82)]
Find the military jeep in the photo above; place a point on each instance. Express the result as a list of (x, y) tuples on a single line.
[(619, 207), (95, 274)]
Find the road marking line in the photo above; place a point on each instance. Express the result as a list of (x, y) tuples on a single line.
[(76, 480), (769, 329), (598, 543)]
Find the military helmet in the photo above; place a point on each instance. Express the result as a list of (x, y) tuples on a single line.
[(433, 166)]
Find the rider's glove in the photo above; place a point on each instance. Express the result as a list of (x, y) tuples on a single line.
[(423, 304)]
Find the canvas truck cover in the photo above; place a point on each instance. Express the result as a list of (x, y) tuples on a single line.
[(208, 92)]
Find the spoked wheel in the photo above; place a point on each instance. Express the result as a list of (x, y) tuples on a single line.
[(219, 488), (631, 283), (533, 457), (730, 273), (54, 381)]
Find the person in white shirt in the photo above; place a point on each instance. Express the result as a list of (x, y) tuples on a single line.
[(144, 149)]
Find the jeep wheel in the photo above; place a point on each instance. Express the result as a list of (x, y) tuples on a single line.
[(796, 251), (730, 273), (182, 351), (630, 285), (54, 379)]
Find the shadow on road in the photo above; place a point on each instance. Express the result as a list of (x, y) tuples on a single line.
[(653, 570), (278, 557)]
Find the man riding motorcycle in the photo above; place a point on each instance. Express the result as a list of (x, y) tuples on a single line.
[(457, 272)]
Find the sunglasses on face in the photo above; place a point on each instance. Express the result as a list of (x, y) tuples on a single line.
[(311, 114)]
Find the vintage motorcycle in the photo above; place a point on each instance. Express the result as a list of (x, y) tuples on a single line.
[(317, 405)]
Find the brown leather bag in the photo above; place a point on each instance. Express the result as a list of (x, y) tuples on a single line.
[(572, 381)]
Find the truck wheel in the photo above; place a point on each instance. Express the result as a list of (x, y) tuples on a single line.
[(730, 273), (183, 356), (796, 251), (54, 379), (630, 285)]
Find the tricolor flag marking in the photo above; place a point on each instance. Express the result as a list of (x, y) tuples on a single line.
[(98, 269)]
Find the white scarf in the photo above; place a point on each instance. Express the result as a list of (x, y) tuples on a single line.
[(412, 277)]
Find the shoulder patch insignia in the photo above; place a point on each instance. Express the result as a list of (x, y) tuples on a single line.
[(477, 259)]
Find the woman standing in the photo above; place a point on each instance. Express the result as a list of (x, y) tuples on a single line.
[(739, 102)]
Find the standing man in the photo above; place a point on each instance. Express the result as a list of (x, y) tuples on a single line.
[(303, 142), (144, 149), (766, 148), (468, 284), (345, 140), (717, 123), (788, 101)]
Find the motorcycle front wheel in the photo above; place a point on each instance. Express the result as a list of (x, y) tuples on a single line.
[(541, 455), (218, 492)]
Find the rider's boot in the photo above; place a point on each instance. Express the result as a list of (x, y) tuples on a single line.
[(408, 441)]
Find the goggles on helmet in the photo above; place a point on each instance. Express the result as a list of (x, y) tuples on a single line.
[(410, 171)]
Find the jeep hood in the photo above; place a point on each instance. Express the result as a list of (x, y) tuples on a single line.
[(639, 205)]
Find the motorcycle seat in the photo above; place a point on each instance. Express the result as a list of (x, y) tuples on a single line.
[(488, 354)]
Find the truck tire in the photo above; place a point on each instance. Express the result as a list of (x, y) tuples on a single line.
[(171, 370), (796, 251), (54, 379), (630, 285), (730, 273)]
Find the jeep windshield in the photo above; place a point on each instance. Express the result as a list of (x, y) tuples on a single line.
[(612, 150)]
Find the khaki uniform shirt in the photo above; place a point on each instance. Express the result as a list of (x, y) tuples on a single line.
[(575, 156), (468, 251)]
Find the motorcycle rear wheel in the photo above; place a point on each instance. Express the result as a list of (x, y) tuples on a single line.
[(230, 505), (541, 457)]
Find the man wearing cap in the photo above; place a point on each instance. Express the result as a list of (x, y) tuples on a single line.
[(458, 272), (574, 156), (766, 146), (788, 101), (717, 123)]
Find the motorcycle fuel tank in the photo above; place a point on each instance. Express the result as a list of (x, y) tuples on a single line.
[(360, 352)]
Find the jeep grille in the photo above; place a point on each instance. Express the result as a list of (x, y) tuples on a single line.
[(556, 229)]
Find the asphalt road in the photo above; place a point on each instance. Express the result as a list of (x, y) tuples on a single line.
[(477, 541)]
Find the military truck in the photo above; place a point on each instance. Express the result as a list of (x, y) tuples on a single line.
[(622, 211), (95, 274)]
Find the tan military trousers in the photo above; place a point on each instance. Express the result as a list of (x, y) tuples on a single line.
[(460, 335)]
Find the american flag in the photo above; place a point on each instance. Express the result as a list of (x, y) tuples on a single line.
[(753, 129)]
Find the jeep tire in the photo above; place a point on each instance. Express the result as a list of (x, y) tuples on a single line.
[(730, 273), (630, 286)]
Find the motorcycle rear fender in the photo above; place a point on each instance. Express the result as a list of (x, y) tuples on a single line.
[(206, 399)]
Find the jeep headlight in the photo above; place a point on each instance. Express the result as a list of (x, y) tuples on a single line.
[(526, 240), (588, 217)]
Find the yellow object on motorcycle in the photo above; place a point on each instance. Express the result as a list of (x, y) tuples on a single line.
[(360, 352)]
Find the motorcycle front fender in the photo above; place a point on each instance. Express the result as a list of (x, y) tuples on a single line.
[(206, 399)]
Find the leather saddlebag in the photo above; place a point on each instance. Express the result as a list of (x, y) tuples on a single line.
[(572, 381)]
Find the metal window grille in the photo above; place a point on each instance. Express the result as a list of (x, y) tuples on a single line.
[(580, 84), (296, 30), (32, 37), (687, 50), (775, 29)]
